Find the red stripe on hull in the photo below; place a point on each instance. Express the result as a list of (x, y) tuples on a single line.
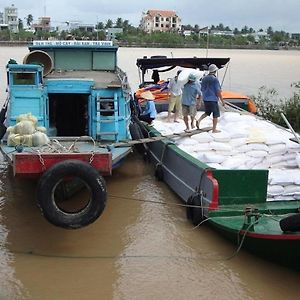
[(270, 236), (33, 165), (215, 194)]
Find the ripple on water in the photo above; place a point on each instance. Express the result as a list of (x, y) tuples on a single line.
[(10, 286)]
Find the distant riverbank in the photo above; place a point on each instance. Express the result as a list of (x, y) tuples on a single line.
[(163, 45)]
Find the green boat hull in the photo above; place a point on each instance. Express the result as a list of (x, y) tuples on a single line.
[(260, 232)]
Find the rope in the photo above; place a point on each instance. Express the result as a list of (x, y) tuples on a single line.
[(242, 240), (171, 204)]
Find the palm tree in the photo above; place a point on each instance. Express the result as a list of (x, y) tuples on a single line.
[(20, 24), (29, 20)]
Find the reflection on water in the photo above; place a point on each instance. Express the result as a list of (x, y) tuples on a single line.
[(10, 286), (159, 263)]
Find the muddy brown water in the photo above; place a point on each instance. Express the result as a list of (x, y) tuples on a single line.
[(137, 249)]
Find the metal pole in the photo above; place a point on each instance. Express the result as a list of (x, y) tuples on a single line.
[(207, 42), (290, 127)]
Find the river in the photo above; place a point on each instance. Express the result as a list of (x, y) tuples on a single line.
[(138, 249)]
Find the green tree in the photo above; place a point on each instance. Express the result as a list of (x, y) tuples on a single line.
[(100, 25), (29, 20), (20, 24), (245, 30), (109, 23), (270, 30), (220, 27), (236, 31), (119, 23)]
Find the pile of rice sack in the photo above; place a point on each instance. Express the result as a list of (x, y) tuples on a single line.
[(245, 142), (26, 132)]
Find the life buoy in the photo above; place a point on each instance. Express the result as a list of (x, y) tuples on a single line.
[(290, 223), (194, 214), (49, 182)]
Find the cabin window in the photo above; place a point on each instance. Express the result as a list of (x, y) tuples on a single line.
[(24, 78)]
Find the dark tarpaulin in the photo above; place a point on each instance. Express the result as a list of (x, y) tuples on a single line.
[(196, 63)]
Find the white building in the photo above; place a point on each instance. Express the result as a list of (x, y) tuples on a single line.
[(73, 25), (11, 18), (160, 20)]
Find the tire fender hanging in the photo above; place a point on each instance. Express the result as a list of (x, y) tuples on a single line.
[(290, 223), (50, 180), (194, 214)]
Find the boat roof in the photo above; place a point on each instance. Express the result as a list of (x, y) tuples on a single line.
[(202, 64), (102, 79)]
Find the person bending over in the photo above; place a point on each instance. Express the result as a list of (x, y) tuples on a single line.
[(149, 113)]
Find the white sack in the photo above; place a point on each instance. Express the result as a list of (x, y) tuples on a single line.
[(274, 190)]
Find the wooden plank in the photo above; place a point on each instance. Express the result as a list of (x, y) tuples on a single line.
[(155, 138)]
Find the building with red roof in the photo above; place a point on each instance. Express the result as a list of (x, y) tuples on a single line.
[(160, 20)]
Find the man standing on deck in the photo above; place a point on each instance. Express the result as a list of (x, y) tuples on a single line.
[(211, 92), (191, 97), (175, 97)]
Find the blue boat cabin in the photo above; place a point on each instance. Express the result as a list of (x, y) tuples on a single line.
[(74, 89)]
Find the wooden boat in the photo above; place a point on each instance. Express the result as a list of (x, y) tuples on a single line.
[(233, 201), (240, 100), (163, 64), (76, 93)]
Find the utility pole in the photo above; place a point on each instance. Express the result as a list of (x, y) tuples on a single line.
[(207, 42)]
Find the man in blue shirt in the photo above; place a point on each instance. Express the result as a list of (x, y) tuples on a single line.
[(211, 93), (149, 113), (191, 96)]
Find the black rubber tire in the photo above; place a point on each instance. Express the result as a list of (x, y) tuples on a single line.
[(143, 129), (89, 176), (194, 214), (290, 223), (159, 172), (137, 134)]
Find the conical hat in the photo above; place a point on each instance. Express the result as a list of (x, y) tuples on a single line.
[(147, 95)]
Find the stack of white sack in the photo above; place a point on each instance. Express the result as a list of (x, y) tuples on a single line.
[(245, 142), (26, 132)]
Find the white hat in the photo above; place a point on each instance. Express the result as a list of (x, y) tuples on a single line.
[(192, 77), (212, 68), (147, 95)]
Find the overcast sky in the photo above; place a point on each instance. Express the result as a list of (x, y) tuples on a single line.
[(280, 14)]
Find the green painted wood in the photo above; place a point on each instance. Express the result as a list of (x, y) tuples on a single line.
[(104, 61), (241, 186), (68, 59)]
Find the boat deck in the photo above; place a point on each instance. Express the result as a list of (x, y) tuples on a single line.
[(102, 79), (33, 161), (268, 207), (269, 215)]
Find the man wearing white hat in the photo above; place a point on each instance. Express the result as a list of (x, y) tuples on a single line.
[(211, 93), (191, 96), (149, 113)]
